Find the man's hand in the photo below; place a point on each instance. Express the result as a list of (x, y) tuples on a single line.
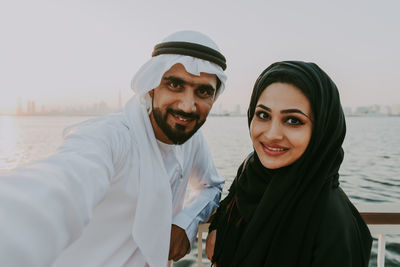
[(210, 244), (179, 245)]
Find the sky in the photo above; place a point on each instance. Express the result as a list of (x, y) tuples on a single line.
[(76, 52)]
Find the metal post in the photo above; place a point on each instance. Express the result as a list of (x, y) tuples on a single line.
[(199, 248), (381, 250)]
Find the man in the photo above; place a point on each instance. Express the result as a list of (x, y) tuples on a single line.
[(113, 193)]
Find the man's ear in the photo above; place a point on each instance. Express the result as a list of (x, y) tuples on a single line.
[(151, 93)]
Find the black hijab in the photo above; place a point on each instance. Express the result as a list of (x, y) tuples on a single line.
[(278, 219)]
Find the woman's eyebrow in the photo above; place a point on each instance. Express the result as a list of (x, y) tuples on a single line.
[(264, 107), (285, 111), (294, 110)]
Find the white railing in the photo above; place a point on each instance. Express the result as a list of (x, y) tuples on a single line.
[(382, 219)]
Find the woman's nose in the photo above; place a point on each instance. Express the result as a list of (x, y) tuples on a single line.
[(274, 132)]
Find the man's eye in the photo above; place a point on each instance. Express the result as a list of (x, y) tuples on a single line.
[(205, 93), (173, 84)]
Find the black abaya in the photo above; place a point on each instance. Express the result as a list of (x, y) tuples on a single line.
[(297, 215)]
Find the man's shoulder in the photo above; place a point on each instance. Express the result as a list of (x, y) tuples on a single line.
[(108, 126), (114, 120)]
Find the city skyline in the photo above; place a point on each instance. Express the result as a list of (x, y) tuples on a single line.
[(102, 107), (51, 59)]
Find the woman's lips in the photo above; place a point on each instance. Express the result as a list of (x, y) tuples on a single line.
[(274, 149)]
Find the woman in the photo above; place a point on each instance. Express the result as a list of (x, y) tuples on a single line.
[(285, 206)]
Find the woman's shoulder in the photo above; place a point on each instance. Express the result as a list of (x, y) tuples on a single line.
[(342, 230), (339, 214)]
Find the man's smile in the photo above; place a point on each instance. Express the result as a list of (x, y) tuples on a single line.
[(183, 118)]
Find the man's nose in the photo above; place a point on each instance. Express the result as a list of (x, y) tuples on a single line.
[(187, 103)]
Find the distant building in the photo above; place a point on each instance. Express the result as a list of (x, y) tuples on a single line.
[(395, 109), (30, 108), (385, 110), (363, 110), (347, 111), (375, 109), (236, 110), (102, 108), (20, 110)]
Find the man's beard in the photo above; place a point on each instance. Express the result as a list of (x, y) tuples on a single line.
[(176, 134)]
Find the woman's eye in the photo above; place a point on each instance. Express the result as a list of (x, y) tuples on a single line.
[(294, 121), (262, 115)]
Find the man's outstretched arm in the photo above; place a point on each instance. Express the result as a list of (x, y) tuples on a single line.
[(45, 205)]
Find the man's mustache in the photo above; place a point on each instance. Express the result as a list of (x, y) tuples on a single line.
[(183, 114)]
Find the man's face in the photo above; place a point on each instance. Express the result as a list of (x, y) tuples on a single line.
[(181, 104)]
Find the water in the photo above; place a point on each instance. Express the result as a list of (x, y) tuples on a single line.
[(370, 171)]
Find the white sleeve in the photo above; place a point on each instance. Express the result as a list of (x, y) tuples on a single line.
[(45, 205), (206, 187)]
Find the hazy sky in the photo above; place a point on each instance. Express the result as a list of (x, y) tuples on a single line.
[(80, 51)]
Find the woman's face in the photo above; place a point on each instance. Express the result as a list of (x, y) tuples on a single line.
[(281, 127)]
